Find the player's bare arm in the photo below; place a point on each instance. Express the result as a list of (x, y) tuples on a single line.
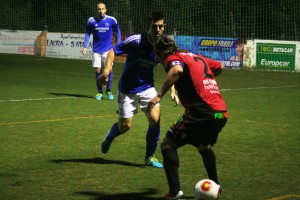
[(171, 77), (215, 66), (174, 96)]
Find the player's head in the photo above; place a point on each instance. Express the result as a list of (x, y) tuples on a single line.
[(163, 47), (101, 8), (240, 47), (156, 25)]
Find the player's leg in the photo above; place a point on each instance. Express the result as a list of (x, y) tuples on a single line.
[(117, 129), (153, 132), (171, 167), (177, 136), (97, 66), (152, 137), (209, 161), (109, 94), (127, 107), (99, 87), (211, 130)]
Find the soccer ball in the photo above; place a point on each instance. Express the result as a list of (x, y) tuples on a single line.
[(206, 189)]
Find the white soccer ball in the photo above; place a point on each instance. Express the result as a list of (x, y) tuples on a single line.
[(206, 189)]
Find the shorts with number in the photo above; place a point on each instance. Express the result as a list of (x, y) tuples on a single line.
[(196, 130), (128, 103), (99, 59)]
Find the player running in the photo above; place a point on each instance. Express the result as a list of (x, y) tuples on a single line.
[(136, 86)]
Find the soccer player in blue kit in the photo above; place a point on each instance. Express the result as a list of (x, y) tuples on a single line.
[(102, 28), (136, 86)]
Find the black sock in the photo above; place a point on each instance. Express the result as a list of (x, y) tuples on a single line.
[(209, 161), (107, 90), (171, 165)]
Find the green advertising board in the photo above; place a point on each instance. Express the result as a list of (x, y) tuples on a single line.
[(276, 56)]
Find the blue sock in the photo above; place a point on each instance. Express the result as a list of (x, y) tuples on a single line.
[(152, 140), (110, 78), (113, 132), (99, 88)]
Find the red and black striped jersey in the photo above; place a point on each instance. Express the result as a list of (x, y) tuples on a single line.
[(197, 88)]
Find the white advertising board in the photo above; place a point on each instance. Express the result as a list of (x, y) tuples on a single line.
[(67, 45), (18, 42)]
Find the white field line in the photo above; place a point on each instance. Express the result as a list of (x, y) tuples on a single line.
[(222, 90), (37, 99), (259, 88)]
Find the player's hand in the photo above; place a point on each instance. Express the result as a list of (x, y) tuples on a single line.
[(155, 100), (84, 50), (175, 99), (102, 80)]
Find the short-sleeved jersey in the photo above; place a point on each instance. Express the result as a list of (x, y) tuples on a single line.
[(102, 30), (137, 75), (197, 88)]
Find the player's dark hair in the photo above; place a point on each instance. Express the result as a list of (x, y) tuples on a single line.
[(155, 16), (166, 45)]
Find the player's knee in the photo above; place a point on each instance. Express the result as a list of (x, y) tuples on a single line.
[(167, 143), (123, 128), (154, 124), (154, 117), (202, 148), (169, 155), (164, 144)]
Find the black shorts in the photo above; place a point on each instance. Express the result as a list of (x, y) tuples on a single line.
[(196, 130)]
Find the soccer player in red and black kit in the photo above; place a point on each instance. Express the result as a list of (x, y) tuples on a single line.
[(205, 110)]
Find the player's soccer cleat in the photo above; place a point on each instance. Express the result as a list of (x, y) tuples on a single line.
[(179, 196), (153, 162), (110, 96), (105, 145), (99, 96)]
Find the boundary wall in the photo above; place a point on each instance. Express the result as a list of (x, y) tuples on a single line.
[(258, 54)]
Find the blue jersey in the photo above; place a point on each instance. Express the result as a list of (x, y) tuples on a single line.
[(137, 75), (102, 30)]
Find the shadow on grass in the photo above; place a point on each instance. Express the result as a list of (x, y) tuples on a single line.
[(124, 196), (72, 95), (101, 161)]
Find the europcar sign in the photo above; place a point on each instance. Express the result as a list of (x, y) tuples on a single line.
[(276, 56)]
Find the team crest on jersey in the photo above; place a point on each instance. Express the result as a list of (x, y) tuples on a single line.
[(106, 24)]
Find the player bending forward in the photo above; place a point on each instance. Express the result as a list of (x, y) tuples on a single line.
[(205, 110)]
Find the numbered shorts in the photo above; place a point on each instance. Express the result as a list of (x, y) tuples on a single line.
[(196, 130), (128, 104)]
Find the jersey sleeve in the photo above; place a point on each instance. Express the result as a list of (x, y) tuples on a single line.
[(88, 32), (120, 48), (171, 61), (128, 45), (215, 66), (117, 30)]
